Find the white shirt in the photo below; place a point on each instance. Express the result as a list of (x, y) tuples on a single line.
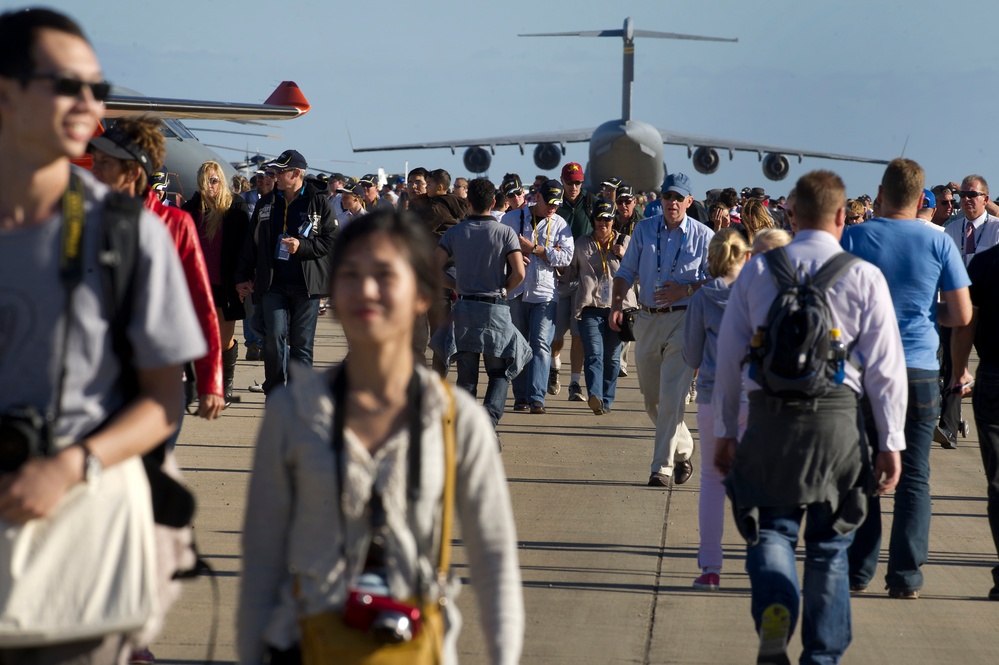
[(986, 234), (554, 235), (861, 308)]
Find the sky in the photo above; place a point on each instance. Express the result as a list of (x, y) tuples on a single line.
[(861, 77)]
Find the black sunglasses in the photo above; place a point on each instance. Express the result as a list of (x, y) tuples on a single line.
[(971, 194), (65, 86), (516, 192), (946, 202), (673, 196)]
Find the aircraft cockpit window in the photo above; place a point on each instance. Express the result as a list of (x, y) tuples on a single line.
[(177, 129)]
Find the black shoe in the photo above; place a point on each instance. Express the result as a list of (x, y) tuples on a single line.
[(683, 471), (658, 480), (521, 407), (858, 587), (945, 438), (229, 358), (554, 387), (538, 408), (903, 594), (575, 392), (994, 593)]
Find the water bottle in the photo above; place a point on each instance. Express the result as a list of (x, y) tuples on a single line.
[(837, 351)]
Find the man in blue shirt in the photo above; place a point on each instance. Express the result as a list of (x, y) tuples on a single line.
[(916, 261), (668, 257)]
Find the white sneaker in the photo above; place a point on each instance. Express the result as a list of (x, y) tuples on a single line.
[(256, 387)]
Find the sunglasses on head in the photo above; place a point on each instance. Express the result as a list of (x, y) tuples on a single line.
[(971, 194), (66, 86)]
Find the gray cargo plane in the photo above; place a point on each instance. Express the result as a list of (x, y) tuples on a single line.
[(185, 154), (626, 148)]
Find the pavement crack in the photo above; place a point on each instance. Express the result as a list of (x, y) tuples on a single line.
[(646, 659)]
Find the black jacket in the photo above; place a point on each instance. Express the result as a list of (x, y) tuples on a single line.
[(234, 226), (310, 211)]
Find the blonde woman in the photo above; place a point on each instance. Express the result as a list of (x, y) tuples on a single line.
[(727, 254), (755, 218), (222, 220)]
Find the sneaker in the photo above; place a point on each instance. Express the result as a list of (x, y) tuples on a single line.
[(575, 392), (253, 352), (775, 627), (693, 391), (595, 404), (554, 387), (521, 407), (707, 582), (903, 594), (256, 387), (538, 408), (142, 657)]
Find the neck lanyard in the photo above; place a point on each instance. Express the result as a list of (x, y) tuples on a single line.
[(604, 252), (977, 238), (676, 257), (548, 237)]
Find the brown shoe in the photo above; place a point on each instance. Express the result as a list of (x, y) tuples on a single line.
[(658, 480), (521, 407), (595, 404), (903, 594), (538, 408), (683, 471)]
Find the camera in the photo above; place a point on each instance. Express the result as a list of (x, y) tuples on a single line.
[(370, 609), (23, 435)]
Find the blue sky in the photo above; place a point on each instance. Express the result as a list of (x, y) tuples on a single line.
[(856, 77)]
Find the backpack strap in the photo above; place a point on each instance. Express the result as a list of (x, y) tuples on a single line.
[(832, 270), (781, 268)]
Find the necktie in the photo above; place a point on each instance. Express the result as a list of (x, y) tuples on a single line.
[(969, 239)]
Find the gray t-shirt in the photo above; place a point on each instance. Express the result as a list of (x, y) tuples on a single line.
[(164, 329), (479, 247)]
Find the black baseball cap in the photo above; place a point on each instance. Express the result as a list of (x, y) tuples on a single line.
[(603, 208), (117, 143), (289, 159), (511, 184), (551, 192), (625, 190)]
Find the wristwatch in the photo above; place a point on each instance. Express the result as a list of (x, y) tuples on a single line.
[(92, 467), (690, 290)]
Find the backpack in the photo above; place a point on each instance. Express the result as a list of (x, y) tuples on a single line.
[(798, 353)]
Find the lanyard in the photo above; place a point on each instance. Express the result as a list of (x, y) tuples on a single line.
[(548, 237), (978, 238), (676, 257), (604, 253)]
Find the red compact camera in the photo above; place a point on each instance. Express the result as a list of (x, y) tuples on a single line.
[(386, 619)]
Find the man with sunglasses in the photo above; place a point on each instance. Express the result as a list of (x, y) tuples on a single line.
[(285, 259), (668, 257), (945, 205), (51, 88), (626, 214)]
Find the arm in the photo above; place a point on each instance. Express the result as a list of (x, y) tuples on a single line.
[(560, 250), (246, 267), (440, 259), (517, 270), (266, 523), (694, 334), (961, 341), (140, 426), (955, 310)]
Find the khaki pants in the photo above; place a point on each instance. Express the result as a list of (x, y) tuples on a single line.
[(664, 379)]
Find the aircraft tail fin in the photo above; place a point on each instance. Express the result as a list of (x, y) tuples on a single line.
[(289, 94)]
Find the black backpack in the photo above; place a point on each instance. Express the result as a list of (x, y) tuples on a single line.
[(798, 353)]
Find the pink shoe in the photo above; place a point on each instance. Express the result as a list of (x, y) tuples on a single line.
[(707, 582), (142, 656)]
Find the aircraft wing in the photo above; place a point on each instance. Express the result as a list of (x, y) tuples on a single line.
[(693, 142), (285, 103), (569, 136)]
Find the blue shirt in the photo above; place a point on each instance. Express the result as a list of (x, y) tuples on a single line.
[(916, 261), (654, 207), (656, 255)]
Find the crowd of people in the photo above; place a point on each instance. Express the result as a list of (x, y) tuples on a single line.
[(825, 342)]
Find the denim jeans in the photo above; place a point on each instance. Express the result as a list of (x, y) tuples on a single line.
[(467, 364), (290, 318), (985, 402), (252, 324), (601, 354), (824, 600), (908, 547), (536, 322)]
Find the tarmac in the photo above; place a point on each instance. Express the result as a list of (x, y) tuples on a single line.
[(608, 562)]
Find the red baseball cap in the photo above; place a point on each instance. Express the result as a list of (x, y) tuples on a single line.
[(572, 172)]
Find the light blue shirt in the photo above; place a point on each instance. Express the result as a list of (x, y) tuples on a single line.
[(655, 207), (656, 255), (554, 235)]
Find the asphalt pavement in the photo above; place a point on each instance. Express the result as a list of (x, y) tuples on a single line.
[(607, 562)]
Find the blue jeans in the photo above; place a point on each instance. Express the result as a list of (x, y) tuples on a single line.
[(908, 548), (601, 354), (985, 402), (290, 317), (825, 625), (252, 324), (467, 364), (536, 322)]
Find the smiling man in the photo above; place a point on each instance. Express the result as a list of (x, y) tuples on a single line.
[(109, 409)]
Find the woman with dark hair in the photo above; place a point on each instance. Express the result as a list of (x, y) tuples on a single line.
[(222, 220), (369, 511)]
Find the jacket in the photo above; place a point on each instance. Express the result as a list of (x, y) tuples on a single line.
[(234, 226), (311, 212), (207, 369), (577, 215), (700, 335), (443, 212)]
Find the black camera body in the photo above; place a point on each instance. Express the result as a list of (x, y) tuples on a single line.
[(24, 434)]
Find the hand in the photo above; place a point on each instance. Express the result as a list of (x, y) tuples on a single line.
[(725, 454), (36, 489), (291, 243), (244, 289), (210, 406), (615, 319), (527, 259), (669, 293), (887, 469), (953, 185), (526, 246), (966, 379), (619, 251)]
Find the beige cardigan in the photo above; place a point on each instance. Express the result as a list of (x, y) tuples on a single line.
[(292, 524)]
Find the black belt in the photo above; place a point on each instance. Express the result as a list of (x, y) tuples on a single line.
[(496, 300), (663, 310)]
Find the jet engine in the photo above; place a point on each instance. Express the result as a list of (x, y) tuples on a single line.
[(547, 156), (775, 166), (706, 160), (477, 160)]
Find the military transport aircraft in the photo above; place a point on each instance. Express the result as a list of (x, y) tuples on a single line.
[(185, 154), (626, 148)]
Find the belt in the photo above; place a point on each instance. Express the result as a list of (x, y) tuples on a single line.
[(663, 310), (496, 300)]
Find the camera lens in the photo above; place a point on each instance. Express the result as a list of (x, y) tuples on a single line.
[(392, 628)]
